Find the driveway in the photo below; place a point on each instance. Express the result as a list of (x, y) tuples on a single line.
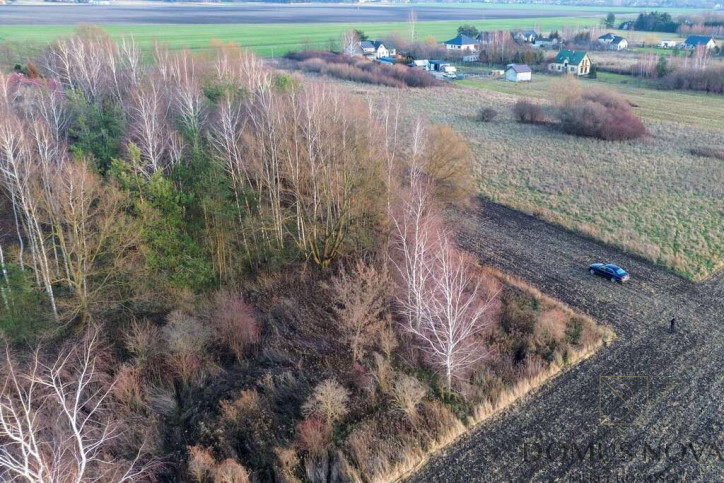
[(664, 420)]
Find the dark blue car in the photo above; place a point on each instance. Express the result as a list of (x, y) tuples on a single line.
[(610, 271)]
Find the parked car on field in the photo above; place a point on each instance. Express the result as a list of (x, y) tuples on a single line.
[(610, 271)]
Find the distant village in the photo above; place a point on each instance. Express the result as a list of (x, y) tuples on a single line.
[(517, 50)]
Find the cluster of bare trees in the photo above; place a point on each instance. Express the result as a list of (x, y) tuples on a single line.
[(64, 215), (302, 162), (699, 59), (295, 167), (445, 298), (57, 424), (309, 155)]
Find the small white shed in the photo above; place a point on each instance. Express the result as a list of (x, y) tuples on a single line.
[(518, 73)]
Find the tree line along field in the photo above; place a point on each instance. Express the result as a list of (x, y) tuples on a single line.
[(651, 196), (278, 39)]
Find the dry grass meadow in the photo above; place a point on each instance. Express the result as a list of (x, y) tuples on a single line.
[(651, 196)]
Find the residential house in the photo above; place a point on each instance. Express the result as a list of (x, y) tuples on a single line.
[(518, 73), (628, 25), (527, 36), (376, 49), (619, 43), (572, 62), (542, 43), (367, 48), (613, 42), (383, 50), (606, 38), (462, 42), (694, 41)]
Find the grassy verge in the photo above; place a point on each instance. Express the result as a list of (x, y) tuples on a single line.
[(278, 39)]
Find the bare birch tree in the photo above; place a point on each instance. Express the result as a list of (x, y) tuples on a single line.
[(18, 174), (444, 300), (56, 422), (148, 126)]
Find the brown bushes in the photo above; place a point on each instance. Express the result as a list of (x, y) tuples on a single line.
[(233, 323), (203, 468), (313, 436), (716, 152), (601, 114), (487, 114), (186, 341), (359, 298), (407, 394), (328, 402), (449, 164), (359, 69), (528, 112), (709, 80)]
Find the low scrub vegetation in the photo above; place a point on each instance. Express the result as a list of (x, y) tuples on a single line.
[(716, 152), (487, 114), (359, 69), (600, 113), (709, 79), (528, 112)]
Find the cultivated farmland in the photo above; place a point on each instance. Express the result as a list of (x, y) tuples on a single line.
[(277, 39), (650, 196)]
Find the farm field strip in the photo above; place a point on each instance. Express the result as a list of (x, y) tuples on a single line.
[(277, 39), (683, 372)]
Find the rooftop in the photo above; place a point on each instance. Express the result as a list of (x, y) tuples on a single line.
[(574, 57), (461, 39)]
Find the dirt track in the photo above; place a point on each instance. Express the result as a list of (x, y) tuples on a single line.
[(685, 370)]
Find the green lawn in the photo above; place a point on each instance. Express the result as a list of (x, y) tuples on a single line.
[(277, 39)]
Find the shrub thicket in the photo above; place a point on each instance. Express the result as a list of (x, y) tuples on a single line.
[(487, 114), (709, 80), (716, 152), (528, 112), (359, 69), (600, 114)]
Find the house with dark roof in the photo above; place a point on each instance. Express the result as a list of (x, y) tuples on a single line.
[(574, 62), (527, 36), (375, 49), (613, 42), (694, 41), (367, 48), (518, 73), (462, 42), (384, 50), (627, 25)]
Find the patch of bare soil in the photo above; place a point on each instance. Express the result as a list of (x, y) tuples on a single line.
[(558, 434)]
